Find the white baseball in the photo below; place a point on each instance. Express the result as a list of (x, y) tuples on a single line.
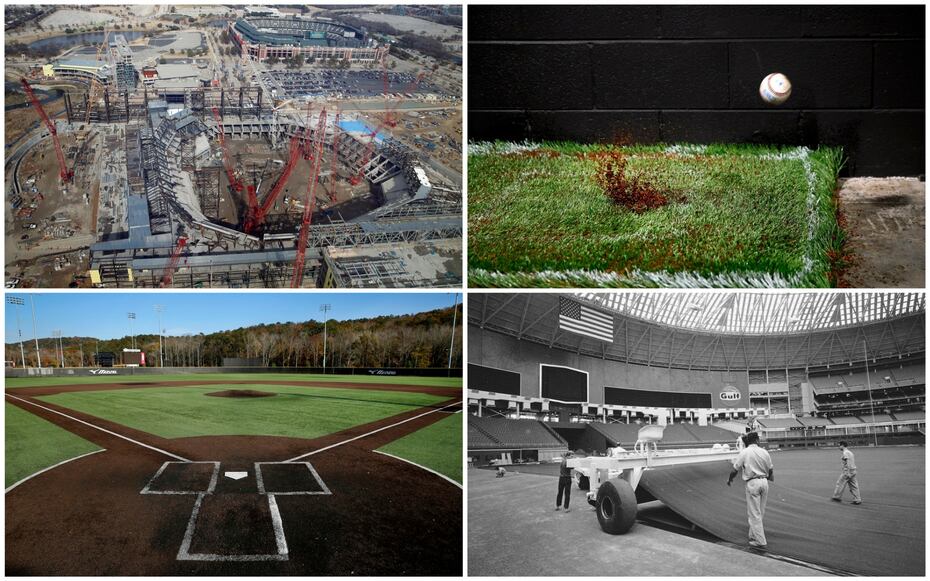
[(775, 89)]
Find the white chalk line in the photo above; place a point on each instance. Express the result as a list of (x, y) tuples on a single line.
[(184, 553), (210, 487), (127, 438), (12, 486), (443, 476), (331, 446)]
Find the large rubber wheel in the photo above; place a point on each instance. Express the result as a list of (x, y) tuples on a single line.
[(616, 506)]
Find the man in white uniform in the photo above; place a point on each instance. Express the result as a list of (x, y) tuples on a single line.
[(847, 477), (757, 470)]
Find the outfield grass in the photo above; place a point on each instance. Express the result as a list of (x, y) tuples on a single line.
[(437, 446), (740, 216), (33, 444), (301, 412), (125, 377)]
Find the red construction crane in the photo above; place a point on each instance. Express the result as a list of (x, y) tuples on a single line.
[(227, 163), (63, 171), (310, 202), (173, 262), (234, 183), (293, 155)]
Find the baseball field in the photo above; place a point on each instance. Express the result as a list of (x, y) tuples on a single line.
[(233, 474)]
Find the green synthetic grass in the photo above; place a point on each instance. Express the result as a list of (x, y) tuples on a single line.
[(14, 382), (33, 444), (300, 412), (437, 446), (745, 216)]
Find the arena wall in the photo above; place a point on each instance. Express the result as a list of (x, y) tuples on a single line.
[(155, 371), (505, 352), (651, 74)]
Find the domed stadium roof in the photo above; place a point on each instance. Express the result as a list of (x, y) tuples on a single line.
[(760, 313), (713, 330)]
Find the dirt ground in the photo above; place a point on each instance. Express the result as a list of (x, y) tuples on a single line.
[(885, 224), (91, 516)]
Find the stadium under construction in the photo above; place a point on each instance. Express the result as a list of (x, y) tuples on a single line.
[(173, 192), (195, 181)]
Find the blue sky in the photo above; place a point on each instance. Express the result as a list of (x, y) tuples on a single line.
[(103, 315)]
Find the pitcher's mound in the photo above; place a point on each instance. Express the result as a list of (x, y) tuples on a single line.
[(240, 393)]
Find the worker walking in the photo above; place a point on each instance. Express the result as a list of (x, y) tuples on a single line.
[(565, 483), (757, 470), (848, 477)]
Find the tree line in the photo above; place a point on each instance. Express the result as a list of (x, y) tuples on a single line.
[(411, 341)]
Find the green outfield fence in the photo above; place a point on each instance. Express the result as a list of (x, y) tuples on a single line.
[(141, 371)]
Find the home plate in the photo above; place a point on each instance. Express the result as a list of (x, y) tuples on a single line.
[(236, 475)]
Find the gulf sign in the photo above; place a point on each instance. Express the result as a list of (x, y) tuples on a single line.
[(730, 394)]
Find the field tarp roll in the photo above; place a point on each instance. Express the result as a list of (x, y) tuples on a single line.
[(798, 524)]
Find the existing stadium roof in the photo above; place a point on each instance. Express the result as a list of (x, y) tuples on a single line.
[(716, 330), (760, 313)]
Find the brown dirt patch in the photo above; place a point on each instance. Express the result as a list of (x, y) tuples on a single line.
[(241, 393), (625, 188)]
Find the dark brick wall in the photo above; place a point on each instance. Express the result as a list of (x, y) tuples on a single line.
[(692, 73)]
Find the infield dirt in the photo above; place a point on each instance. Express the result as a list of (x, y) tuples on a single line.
[(384, 516)]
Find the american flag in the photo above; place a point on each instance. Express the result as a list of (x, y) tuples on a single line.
[(577, 318)]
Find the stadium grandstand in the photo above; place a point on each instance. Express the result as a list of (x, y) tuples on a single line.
[(550, 372), (268, 33)]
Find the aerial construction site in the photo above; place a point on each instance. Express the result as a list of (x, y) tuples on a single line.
[(219, 147)]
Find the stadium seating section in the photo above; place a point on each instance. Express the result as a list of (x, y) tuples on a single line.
[(501, 433), (675, 434)]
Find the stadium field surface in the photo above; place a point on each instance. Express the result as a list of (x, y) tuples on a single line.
[(427, 447), (266, 475), (33, 444), (734, 216), (885, 535)]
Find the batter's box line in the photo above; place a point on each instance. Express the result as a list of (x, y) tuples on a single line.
[(184, 553), (210, 488), (313, 472)]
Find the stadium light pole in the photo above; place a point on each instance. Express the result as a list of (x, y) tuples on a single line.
[(455, 311), (161, 358), (61, 352), (131, 317), (18, 302), (869, 386), (325, 309), (35, 334)]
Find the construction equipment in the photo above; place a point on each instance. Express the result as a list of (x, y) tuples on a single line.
[(234, 183), (227, 163), (173, 262), (611, 480), (390, 116), (63, 172), (278, 187), (94, 82), (310, 202)]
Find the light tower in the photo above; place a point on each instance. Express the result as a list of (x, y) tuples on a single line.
[(18, 302), (161, 359), (131, 317), (325, 309)]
